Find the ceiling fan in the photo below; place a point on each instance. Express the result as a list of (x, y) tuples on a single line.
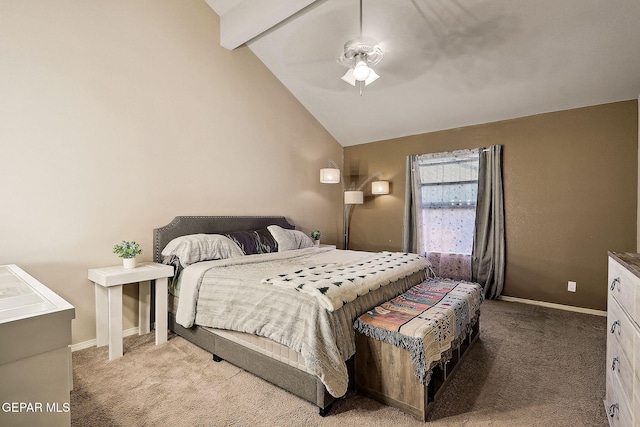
[(360, 54)]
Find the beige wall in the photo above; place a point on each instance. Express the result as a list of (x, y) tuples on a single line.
[(116, 116), (570, 183)]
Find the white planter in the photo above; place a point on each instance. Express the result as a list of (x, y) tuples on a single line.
[(316, 242), (129, 263)]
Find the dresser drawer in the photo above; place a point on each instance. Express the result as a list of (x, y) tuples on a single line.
[(621, 329), (620, 367), (623, 285), (616, 405)]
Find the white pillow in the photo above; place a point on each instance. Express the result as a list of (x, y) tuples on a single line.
[(289, 239), (201, 247)]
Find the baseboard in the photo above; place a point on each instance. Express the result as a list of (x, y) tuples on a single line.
[(553, 305), (92, 343)]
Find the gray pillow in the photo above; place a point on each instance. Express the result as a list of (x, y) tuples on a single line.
[(289, 239), (201, 247)]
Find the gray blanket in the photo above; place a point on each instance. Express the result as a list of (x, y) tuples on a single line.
[(231, 295)]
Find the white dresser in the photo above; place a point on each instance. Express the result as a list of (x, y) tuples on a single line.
[(35, 357), (622, 401)]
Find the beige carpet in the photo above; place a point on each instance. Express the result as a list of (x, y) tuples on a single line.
[(533, 366)]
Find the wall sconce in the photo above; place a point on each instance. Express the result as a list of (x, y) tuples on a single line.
[(380, 187)]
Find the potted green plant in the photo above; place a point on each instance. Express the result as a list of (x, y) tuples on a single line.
[(315, 235), (127, 251)]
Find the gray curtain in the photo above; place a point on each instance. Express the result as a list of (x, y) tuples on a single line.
[(410, 227), (488, 263)]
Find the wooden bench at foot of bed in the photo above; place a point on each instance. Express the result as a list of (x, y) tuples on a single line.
[(385, 373), (386, 337)]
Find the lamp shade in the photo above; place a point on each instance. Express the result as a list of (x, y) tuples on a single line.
[(330, 176), (353, 197), (380, 187)]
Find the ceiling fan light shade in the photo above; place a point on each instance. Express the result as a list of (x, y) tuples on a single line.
[(371, 78), (330, 176), (353, 197), (350, 78)]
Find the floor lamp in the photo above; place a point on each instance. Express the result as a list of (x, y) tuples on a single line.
[(353, 196)]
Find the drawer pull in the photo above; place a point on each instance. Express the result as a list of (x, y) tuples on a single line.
[(614, 362), (613, 326), (615, 282), (613, 409)]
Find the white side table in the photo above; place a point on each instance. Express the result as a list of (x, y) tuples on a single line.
[(108, 286), (322, 245)]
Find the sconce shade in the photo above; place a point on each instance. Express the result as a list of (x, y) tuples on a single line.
[(353, 197), (329, 176), (380, 187)]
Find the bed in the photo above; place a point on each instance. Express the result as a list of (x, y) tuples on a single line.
[(316, 366)]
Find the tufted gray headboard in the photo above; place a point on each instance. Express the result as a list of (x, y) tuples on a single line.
[(184, 225)]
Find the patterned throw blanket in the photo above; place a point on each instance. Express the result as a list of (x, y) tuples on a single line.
[(429, 320), (337, 284)]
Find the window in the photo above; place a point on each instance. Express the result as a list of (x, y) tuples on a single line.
[(448, 184), (447, 191)]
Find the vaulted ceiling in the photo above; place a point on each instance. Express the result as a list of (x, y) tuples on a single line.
[(447, 63)]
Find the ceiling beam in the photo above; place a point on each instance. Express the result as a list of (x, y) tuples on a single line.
[(250, 18)]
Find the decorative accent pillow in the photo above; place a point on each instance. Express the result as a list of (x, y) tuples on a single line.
[(201, 247), (254, 242), (289, 239)]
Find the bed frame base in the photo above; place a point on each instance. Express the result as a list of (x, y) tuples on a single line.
[(322, 411), (300, 383)]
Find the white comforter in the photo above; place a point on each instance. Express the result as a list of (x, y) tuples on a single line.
[(231, 294)]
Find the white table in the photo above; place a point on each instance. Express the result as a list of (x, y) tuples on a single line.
[(108, 286), (322, 245)]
